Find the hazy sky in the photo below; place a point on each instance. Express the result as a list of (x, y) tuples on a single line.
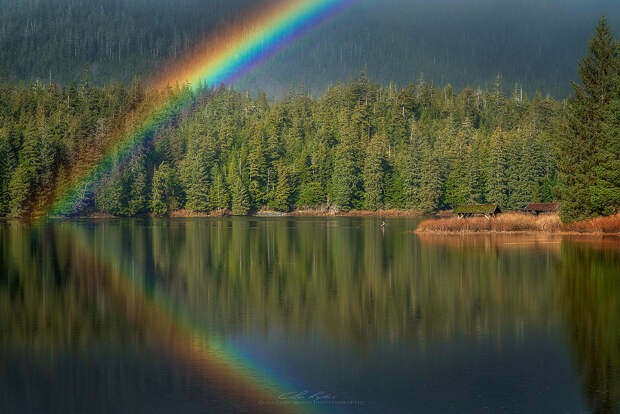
[(535, 43)]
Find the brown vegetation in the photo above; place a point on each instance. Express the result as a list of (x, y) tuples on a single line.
[(609, 224), (520, 222)]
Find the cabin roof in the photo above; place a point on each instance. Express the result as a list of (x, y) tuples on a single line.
[(477, 209), (542, 207)]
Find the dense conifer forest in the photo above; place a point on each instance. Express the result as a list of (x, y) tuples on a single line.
[(358, 146)]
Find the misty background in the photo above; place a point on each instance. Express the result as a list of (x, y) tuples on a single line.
[(531, 43)]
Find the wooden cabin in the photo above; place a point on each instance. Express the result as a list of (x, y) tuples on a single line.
[(477, 210), (541, 208)]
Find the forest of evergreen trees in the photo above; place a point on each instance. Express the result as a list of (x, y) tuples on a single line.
[(359, 146)]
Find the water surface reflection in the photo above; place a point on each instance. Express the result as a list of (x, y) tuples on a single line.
[(130, 315)]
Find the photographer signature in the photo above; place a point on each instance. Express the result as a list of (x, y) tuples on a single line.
[(306, 396)]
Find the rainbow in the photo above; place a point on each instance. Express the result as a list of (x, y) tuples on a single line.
[(195, 346), (243, 47), (220, 59)]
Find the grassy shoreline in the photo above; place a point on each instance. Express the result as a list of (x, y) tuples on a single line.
[(303, 213), (521, 223)]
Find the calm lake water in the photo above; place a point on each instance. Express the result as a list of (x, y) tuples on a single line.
[(298, 315)]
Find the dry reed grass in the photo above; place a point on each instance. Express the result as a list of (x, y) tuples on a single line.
[(500, 223), (607, 225), (520, 222)]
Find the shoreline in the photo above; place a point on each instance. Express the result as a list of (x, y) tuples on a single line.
[(440, 224), (355, 213), (262, 213)]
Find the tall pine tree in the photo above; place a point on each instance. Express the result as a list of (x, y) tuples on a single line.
[(497, 181), (374, 174), (585, 189)]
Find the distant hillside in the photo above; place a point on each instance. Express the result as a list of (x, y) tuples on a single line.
[(117, 39), (530, 42)]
